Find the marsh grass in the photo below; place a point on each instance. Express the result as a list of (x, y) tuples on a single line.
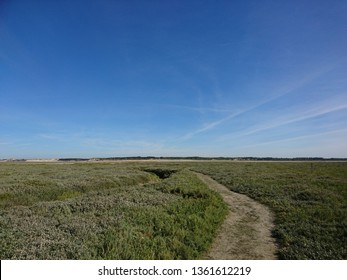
[(104, 211), (309, 201), (122, 211)]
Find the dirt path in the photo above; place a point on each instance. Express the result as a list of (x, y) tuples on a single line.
[(246, 232)]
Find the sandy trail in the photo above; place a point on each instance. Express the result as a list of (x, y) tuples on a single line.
[(246, 232)]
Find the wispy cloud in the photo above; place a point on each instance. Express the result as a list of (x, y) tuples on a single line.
[(302, 116), (200, 109), (13, 145), (280, 92), (209, 126), (297, 138), (7, 141), (52, 136), (213, 124)]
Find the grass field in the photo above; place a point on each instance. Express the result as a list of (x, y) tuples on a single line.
[(309, 200), (149, 210), (104, 211)]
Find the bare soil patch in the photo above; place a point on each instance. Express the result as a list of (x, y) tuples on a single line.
[(246, 232)]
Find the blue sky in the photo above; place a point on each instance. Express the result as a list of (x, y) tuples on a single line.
[(173, 78)]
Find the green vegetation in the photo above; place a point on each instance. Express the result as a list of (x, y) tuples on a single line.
[(104, 211), (160, 210), (309, 201)]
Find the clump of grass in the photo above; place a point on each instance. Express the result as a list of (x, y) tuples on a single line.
[(183, 229), (68, 195)]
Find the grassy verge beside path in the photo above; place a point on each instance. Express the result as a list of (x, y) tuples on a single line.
[(309, 201)]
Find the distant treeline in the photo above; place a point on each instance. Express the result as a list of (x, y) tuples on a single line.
[(207, 158), (188, 158)]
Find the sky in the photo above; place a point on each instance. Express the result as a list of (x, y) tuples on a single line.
[(229, 78)]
